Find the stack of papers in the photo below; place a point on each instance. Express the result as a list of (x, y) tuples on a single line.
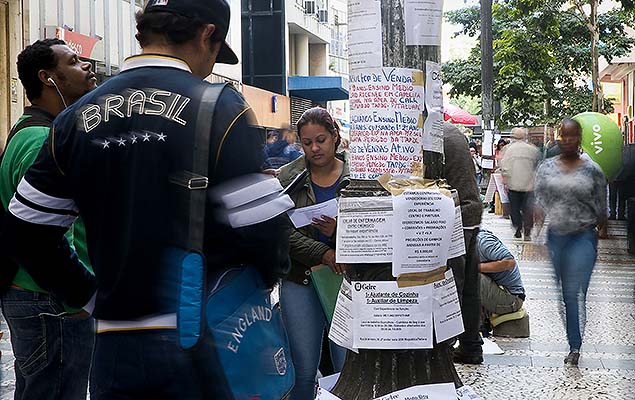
[(251, 199)]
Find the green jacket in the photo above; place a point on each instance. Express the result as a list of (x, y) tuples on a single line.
[(19, 154), (305, 250)]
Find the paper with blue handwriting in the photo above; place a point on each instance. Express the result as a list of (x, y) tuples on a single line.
[(437, 391), (423, 222), (386, 122), (389, 317)]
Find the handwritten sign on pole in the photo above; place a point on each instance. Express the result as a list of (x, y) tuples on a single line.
[(386, 122)]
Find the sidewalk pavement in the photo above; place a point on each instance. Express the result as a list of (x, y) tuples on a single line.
[(533, 368)]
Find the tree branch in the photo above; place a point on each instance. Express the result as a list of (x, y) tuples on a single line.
[(585, 18)]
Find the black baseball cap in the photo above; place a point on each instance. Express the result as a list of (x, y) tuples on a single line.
[(210, 11)]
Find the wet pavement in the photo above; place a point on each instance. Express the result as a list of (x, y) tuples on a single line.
[(533, 368)]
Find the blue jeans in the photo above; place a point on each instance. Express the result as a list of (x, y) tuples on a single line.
[(147, 364), (573, 257), (52, 349), (305, 321)]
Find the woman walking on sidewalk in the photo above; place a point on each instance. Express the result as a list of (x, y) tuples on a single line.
[(572, 191)]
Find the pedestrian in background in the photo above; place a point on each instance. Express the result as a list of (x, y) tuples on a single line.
[(322, 173), (283, 149), (52, 342), (518, 166), (121, 170), (572, 192), (476, 159), (458, 172)]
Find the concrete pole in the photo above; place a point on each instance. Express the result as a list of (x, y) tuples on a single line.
[(374, 373)]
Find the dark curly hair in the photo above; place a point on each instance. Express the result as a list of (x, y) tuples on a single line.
[(31, 60), (319, 116), (173, 28)]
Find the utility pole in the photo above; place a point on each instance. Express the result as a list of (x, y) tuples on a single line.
[(373, 373), (487, 66)]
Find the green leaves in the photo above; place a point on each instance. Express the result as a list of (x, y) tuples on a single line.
[(542, 49)]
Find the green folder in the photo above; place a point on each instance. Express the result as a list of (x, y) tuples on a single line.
[(327, 285)]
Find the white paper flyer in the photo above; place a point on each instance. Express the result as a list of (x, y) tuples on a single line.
[(387, 317), (364, 230), (423, 19), (422, 231), (364, 35), (341, 331), (433, 126), (448, 321)]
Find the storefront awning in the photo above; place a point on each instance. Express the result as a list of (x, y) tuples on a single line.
[(319, 88)]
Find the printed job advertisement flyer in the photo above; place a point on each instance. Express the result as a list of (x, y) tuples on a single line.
[(341, 331), (387, 317), (422, 230), (457, 247), (448, 321), (364, 34), (364, 230), (423, 20)]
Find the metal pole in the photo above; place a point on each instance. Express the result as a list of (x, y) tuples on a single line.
[(487, 65), (374, 373)]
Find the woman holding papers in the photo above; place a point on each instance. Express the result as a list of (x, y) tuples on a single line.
[(314, 178)]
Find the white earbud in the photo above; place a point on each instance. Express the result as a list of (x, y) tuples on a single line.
[(58, 90)]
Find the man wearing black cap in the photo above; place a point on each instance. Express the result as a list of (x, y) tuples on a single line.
[(112, 157)]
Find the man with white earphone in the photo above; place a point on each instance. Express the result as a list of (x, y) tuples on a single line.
[(55, 364)]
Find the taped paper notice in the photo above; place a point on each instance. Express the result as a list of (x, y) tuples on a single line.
[(387, 317), (422, 231), (433, 126), (457, 247), (448, 321), (423, 20), (364, 35), (364, 230), (341, 331), (328, 382), (437, 391), (386, 122)]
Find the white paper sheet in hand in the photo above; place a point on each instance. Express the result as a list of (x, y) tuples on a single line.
[(304, 216)]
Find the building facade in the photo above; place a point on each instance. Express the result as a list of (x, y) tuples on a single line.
[(293, 48)]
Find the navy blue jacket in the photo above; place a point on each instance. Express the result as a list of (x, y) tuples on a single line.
[(110, 157)]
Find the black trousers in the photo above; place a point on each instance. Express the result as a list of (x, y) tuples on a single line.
[(465, 270), (522, 209)]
